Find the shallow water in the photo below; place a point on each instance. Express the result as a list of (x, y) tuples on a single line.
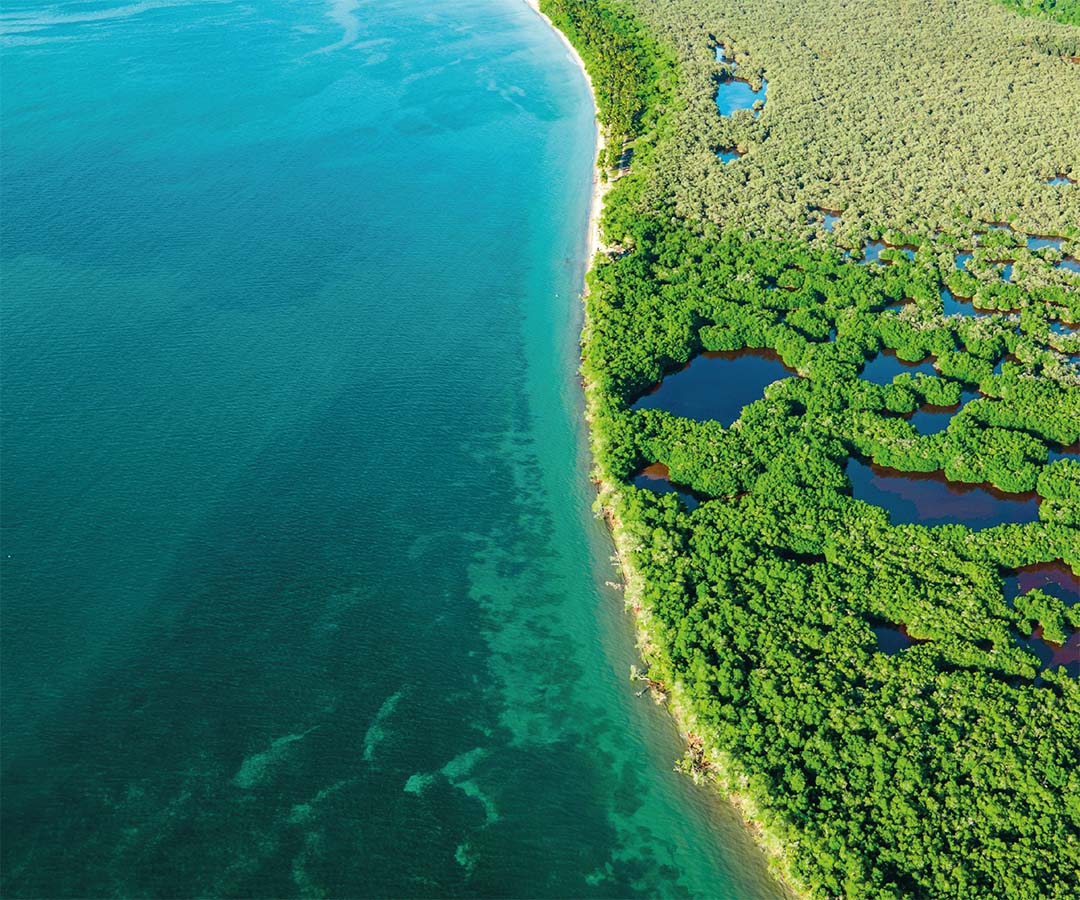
[(928, 499), (302, 590), (716, 385)]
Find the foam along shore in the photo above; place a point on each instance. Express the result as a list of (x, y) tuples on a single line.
[(600, 186)]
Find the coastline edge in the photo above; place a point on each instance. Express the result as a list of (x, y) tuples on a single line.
[(723, 775)]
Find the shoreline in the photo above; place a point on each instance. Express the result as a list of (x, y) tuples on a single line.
[(720, 776), (600, 187)]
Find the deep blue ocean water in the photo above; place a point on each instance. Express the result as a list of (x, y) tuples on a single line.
[(301, 590)]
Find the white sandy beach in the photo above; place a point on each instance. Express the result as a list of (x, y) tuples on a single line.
[(600, 187)]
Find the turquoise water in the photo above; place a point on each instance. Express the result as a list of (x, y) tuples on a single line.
[(733, 94), (302, 594)]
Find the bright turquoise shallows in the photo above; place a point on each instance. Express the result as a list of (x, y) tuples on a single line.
[(302, 594)]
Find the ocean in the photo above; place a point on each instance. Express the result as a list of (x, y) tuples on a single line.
[(302, 593)]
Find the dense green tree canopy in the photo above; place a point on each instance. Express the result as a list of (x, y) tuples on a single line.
[(921, 116), (870, 688)]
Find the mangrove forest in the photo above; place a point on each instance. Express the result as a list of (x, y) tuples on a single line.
[(831, 362)]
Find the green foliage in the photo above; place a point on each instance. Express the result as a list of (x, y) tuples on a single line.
[(1047, 611), (631, 78), (762, 598), (1067, 11), (916, 118), (952, 768)]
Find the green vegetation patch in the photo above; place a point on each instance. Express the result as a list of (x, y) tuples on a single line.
[(1067, 11), (917, 115), (944, 759), (631, 77)]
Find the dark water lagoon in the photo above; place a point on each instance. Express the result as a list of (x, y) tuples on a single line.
[(1054, 578), (657, 478), (932, 419), (1072, 451), (951, 305), (927, 498), (891, 639), (717, 385), (1052, 655), (302, 592), (886, 366), (1010, 358)]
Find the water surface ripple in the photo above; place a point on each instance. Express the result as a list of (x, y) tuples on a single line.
[(302, 591)]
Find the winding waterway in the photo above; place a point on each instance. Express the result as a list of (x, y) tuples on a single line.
[(302, 590)]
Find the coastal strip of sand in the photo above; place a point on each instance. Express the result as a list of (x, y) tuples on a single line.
[(600, 185)]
